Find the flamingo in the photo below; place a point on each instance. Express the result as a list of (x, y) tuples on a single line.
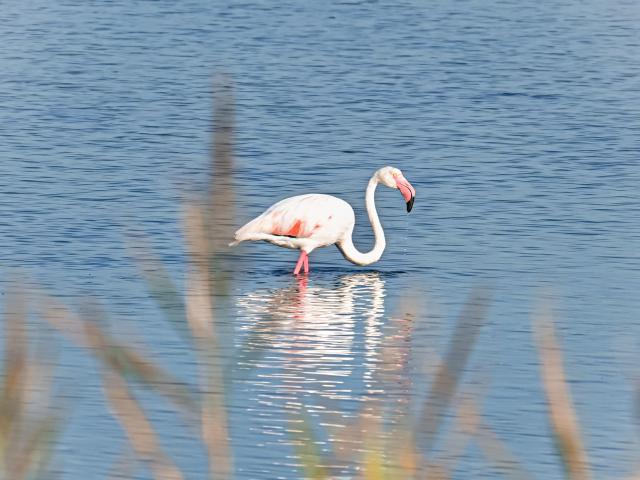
[(307, 222)]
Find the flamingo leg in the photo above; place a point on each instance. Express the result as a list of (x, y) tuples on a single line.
[(306, 263), (301, 260)]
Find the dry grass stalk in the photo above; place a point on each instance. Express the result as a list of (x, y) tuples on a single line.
[(122, 362), (494, 448), (61, 318), (563, 418), (455, 442), (200, 318), (306, 447), (137, 427), (28, 423), (468, 425), (221, 203), (451, 369), (115, 355), (15, 362), (161, 288), (208, 230)]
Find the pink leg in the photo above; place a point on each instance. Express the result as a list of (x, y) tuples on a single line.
[(302, 259), (306, 263)]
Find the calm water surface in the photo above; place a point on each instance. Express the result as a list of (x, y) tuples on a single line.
[(517, 123)]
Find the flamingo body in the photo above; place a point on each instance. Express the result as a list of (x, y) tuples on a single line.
[(303, 222), (307, 222)]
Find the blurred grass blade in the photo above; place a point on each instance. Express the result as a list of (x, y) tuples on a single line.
[(373, 461), (15, 367), (133, 366), (208, 227), (213, 417), (28, 423), (36, 449), (221, 195), (456, 441), (137, 427), (87, 332), (12, 411), (61, 319), (494, 449), (562, 415), (306, 448), (220, 203), (161, 288), (451, 369)]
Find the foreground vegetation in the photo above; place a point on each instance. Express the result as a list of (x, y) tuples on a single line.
[(32, 417)]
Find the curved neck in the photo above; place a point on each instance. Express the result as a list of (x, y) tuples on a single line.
[(347, 248)]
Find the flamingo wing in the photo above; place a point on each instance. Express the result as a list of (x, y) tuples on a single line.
[(300, 217)]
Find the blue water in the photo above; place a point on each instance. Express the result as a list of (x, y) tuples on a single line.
[(516, 122)]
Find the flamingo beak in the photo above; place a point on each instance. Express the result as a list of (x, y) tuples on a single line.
[(407, 191), (410, 204)]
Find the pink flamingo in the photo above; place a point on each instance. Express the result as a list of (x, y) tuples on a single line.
[(307, 222)]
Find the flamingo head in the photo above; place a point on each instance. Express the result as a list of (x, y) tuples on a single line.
[(392, 177)]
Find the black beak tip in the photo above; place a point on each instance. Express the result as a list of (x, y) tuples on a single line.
[(410, 204)]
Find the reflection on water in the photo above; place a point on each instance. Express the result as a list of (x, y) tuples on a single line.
[(326, 345), (312, 328)]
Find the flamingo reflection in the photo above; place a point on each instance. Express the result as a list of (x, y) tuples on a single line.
[(318, 350), (313, 327)]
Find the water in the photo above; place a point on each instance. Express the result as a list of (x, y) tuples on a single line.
[(517, 123)]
